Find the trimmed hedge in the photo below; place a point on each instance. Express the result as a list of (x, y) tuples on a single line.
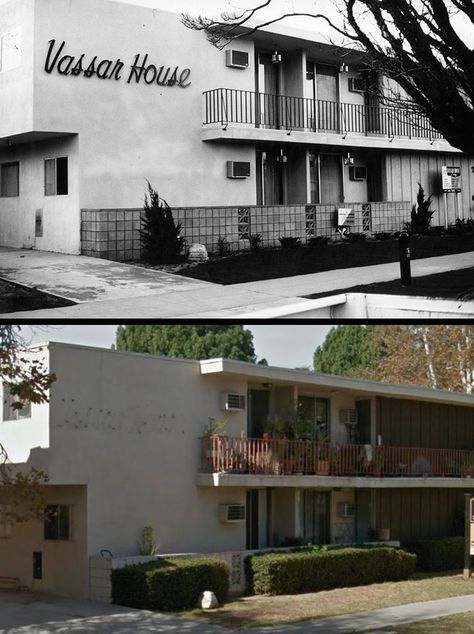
[(167, 584), (315, 570), (434, 555)]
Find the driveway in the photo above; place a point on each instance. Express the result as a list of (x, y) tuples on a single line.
[(34, 613)]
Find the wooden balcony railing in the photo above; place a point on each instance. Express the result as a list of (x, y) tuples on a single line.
[(286, 457), (225, 106)]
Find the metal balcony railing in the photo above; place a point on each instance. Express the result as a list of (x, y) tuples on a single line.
[(262, 110), (221, 454)]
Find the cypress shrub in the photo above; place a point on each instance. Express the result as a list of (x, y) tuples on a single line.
[(435, 555), (160, 237), (169, 584), (312, 571)]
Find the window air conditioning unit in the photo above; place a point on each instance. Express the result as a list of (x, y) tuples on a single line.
[(348, 416), (357, 173), (232, 513), (236, 169), (356, 84), (236, 59), (233, 402), (346, 509)]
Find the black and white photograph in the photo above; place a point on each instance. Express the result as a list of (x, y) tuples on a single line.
[(186, 160)]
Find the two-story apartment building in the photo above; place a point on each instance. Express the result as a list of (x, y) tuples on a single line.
[(125, 442), (272, 135)]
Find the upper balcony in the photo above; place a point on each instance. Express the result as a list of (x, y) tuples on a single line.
[(249, 116), (308, 463)]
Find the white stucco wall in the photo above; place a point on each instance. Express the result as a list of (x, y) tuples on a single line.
[(60, 214), (128, 426), (130, 132), (16, 84)]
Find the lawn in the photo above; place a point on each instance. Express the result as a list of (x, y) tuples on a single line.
[(455, 624), (14, 297), (258, 611)]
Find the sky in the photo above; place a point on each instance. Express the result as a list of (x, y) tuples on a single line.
[(213, 8), (288, 346)]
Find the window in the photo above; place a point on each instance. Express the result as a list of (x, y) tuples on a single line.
[(57, 522), (10, 412), (56, 177), (10, 180)]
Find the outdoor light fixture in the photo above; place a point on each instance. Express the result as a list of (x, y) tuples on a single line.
[(349, 160), (344, 68), (282, 158), (276, 57)]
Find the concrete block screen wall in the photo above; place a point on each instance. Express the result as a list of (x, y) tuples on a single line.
[(114, 233)]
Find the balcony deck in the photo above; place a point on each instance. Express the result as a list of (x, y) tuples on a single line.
[(245, 115), (281, 457)]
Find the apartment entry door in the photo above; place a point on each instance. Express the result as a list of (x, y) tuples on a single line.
[(268, 89), (326, 185), (258, 412), (315, 516), (270, 177), (323, 89), (258, 518)]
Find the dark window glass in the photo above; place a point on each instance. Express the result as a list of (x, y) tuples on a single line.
[(56, 177), (57, 522), (61, 176), (10, 180)]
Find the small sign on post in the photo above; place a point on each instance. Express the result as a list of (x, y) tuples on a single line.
[(451, 179)]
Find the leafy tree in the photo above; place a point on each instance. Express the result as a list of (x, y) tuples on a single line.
[(440, 356), (160, 237), (347, 350), (190, 342), (416, 43), (26, 379)]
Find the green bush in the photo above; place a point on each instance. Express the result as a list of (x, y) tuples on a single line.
[(434, 555), (167, 584), (315, 570)]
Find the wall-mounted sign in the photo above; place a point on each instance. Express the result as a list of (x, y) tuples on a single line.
[(140, 70), (451, 179)]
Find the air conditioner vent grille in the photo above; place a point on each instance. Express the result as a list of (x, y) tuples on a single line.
[(346, 509), (348, 416), (233, 402), (232, 513)]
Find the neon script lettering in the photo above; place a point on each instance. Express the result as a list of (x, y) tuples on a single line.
[(140, 70)]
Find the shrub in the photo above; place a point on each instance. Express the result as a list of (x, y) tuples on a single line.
[(438, 554), (315, 570), (355, 237), (223, 247), (462, 226), (318, 241), (421, 214), (169, 584), (384, 235), (255, 242), (289, 242), (159, 236)]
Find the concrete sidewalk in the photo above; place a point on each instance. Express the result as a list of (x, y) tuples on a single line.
[(23, 612), (107, 290)]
